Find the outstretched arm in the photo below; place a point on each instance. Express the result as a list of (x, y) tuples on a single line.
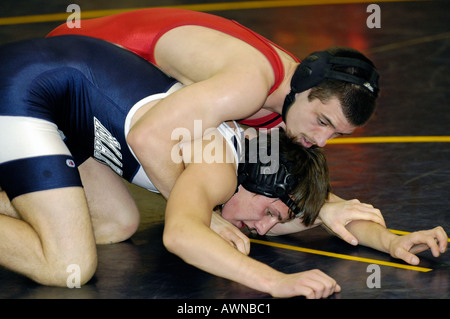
[(403, 247), (334, 215), (188, 235)]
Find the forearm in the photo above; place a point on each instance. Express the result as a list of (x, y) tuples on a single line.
[(402, 247), (187, 230), (155, 156), (163, 172), (204, 249), (371, 234)]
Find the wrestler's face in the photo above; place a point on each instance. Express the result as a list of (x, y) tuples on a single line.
[(256, 212), (313, 122)]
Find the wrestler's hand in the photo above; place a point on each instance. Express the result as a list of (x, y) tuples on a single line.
[(230, 233), (313, 284), (336, 215), (406, 247)]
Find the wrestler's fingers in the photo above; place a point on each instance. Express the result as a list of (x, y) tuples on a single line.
[(313, 284), (344, 234), (375, 213), (417, 249), (420, 241), (442, 238), (406, 256), (371, 215), (240, 242), (428, 238), (244, 244), (322, 284)]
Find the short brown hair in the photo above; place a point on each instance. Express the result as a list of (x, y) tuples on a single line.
[(358, 103)]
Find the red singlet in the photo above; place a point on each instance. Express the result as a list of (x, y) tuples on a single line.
[(139, 31)]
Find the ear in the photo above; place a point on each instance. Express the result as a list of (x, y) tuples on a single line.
[(303, 97)]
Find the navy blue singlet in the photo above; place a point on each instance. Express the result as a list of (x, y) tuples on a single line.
[(85, 87), (67, 98)]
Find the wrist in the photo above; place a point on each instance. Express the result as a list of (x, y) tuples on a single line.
[(332, 198), (387, 240), (273, 284)]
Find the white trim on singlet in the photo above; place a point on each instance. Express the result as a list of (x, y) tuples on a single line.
[(24, 137), (233, 135), (146, 100)]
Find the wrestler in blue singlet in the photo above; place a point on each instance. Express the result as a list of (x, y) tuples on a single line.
[(72, 86)]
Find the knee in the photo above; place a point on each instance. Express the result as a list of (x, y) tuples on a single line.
[(119, 227), (76, 275), (127, 226), (64, 273)]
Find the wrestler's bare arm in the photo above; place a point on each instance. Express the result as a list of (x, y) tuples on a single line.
[(194, 108), (226, 80), (403, 247), (188, 235)]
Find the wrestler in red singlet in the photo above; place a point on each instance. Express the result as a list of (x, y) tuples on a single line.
[(138, 31)]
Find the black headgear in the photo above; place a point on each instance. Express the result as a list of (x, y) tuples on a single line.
[(271, 179), (318, 66)]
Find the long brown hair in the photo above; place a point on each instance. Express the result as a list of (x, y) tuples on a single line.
[(296, 175), (310, 169)]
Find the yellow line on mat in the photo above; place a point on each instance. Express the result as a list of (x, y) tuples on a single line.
[(390, 139), (340, 256), (196, 7)]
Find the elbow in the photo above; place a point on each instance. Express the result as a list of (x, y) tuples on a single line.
[(168, 240), (146, 140), (177, 239), (136, 139), (171, 240)]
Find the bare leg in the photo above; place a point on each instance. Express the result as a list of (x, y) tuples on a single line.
[(115, 216), (6, 208), (55, 231)]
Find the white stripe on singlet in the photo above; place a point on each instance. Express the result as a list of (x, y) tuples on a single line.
[(25, 137)]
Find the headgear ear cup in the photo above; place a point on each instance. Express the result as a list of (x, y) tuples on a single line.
[(259, 177), (318, 66)]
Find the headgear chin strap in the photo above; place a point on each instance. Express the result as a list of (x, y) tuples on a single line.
[(318, 66), (271, 179)]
